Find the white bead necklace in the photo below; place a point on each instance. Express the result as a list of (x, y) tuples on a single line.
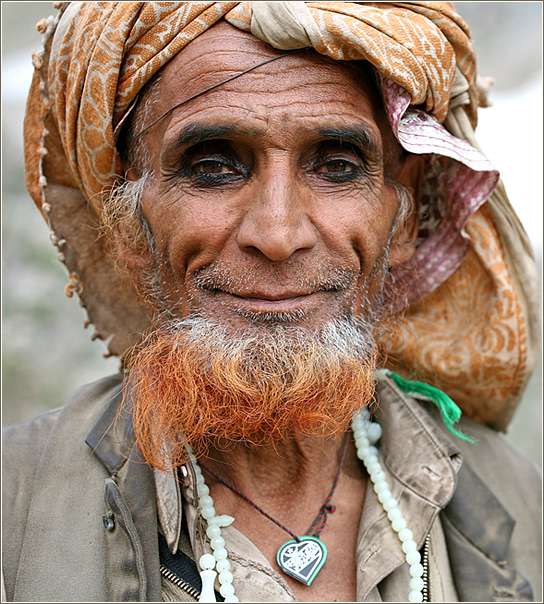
[(212, 564), (366, 435)]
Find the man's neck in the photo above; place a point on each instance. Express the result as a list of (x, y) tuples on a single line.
[(280, 478), (291, 482)]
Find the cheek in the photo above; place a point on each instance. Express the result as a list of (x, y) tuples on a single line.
[(371, 239), (366, 227), (359, 226), (189, 230)]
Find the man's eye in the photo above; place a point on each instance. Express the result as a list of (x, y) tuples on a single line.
[(336, 167), (213, 167), (338, 170)]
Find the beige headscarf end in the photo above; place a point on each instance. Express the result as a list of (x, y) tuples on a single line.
[(284, 25)]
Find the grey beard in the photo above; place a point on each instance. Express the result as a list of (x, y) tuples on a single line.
[(339, 338), (331, 279)]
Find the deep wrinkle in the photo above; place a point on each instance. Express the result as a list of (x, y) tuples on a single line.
[(193, 133), (177, 156), (213, 86)]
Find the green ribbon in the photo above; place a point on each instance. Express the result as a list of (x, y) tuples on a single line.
[(449, 411)]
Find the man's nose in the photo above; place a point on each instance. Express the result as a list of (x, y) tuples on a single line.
[(277, 223)]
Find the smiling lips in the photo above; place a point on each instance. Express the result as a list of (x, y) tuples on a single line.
[(281, 302), (302, 290)]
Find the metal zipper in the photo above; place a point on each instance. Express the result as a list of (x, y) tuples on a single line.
[(179, 582), (426, 592)]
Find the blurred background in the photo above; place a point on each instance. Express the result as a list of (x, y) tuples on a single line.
[(46, 352)]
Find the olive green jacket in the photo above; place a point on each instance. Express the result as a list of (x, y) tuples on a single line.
[(80, 514)]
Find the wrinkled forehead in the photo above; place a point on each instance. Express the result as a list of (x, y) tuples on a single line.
[(226, 68), (224, 50)]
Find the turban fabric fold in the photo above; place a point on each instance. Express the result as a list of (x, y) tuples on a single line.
[(471, 317)]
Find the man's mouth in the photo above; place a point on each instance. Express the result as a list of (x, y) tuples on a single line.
[(271, 303), (255, 296)]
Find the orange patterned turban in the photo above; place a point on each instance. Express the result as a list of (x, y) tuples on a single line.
[(469, 327)]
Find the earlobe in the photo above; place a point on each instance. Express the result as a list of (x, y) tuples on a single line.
[(127, 232), (410, 173), (408, 179), (132, 174)]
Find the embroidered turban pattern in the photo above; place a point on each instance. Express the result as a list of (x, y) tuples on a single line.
[(468, 329)]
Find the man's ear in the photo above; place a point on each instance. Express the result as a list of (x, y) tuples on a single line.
[(409, 175), (132, 173)]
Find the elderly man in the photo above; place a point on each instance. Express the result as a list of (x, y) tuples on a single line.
[(257, 202)]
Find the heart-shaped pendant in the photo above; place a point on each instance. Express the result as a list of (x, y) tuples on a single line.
[(302, 558)]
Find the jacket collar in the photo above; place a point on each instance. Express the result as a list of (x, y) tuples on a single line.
[(431, 475), (421, 465), (129, 495), (112, 437), (477, 527)]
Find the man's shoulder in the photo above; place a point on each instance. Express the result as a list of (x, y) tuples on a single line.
[(48, 471), (486, 451), (28, 436), (498, 507), (23, 443), (493, 457), (85, 403)]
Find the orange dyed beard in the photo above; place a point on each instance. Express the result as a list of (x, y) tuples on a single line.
[(193, 383)]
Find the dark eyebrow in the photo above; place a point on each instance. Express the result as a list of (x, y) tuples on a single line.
[(360, 136), (192, 134)]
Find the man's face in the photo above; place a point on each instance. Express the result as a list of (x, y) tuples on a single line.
[(268, 201), (271, 222)]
